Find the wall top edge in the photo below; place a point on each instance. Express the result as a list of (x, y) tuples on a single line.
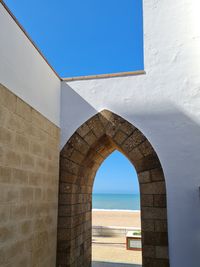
[(29, 38), (103, 76)]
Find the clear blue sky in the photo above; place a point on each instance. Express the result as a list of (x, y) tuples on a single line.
[(85, 37), (116, 175)]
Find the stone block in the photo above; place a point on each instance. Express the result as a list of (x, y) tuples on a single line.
[(120, 137), (16, 123), (65, 222), (26, 227), (147, 200), (38, 120), (147, 163), (53, 143), (2, 154), (48, 153), (15, 250), (4, 213), (90, 138), (68, 199), (162, 252), (149, 262), (153, 213), (148, 225), (36, 148), (134, 140), (2, 256), (19, 176), (157, 174), (144, 177), (40, 164), (6, 233), (26, 194), (8, 99), (148, 251), (38, 194), (103, 120), (155, 239), (18, 212), (52, 167), (146, 148), (55, 132), (35, 178), (67, 177), (153, 188), (111, 129), (22, 143), (159, 201), (77, 157), (127, 128), (79, 144), (66, 188), (5, 174), (65, 234), (28, 161), (39, 135), (4, 113), (24, 110), (69, 166), (12, 159), (96, 126), (6, 137), (161, 226), (135, 155), (12, 195), (83, 130)]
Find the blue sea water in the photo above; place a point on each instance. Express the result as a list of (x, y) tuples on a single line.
[(116, 201)]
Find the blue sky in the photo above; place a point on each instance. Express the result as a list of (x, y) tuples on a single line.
[(85, 37), (116, 175)]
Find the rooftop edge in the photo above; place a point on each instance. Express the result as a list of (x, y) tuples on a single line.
[(102, 76)]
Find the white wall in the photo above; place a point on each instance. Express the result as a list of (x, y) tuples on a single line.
[(25, 72), (165, 105)]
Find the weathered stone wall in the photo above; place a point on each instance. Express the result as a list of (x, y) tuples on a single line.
[(29, 156), (80, 159)]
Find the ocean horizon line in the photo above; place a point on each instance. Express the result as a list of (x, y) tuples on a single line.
[(116, 193), (117, 210)]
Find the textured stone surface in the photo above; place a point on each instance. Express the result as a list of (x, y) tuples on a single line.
[(29, 154), (80, 158)]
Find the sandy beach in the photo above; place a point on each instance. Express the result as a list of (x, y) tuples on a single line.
[(116, 218), (112, 249)]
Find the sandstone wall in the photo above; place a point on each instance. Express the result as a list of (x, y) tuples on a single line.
[(29, 157)]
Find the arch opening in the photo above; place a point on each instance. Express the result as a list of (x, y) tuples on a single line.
[(80, 159), (116, 213)]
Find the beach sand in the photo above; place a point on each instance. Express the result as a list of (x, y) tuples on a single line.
[(113, 248), (116, 218)]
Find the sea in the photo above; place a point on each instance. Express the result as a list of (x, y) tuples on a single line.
[(126, 202)]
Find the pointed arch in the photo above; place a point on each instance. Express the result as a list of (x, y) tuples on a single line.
[(80, 159)]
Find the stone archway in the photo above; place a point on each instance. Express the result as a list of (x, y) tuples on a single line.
[(79, 160)]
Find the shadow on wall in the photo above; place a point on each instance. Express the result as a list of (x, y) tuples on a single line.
[(112, 264), (74, 111), (176, 138)]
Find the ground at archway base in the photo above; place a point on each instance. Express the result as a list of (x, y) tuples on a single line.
[(112, 264)]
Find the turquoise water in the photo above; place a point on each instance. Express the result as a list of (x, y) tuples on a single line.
[(116, 201)]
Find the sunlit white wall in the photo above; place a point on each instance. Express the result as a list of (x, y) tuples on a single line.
[(25, 72), (165, 105)]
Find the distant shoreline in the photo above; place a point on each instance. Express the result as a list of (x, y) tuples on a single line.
[(116, 202), (115, 210)]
